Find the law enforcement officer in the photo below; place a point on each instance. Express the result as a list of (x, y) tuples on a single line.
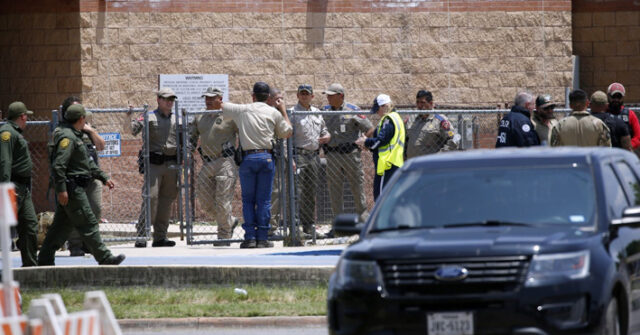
[(387, 142), (428, 133), (309, 133), (94, 143), (16, 167), (73, 170), (163, 172), (543, 119), (344, 158), (217, 178), (615, 94), (580, 128), (257, 123), (516, 129), (618, 130), (278, 179)]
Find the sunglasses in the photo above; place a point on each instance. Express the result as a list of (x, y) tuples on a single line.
[(617, 96)]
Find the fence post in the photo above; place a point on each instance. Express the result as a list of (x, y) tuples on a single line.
[(147, 176), (293, 232), (185, 172)]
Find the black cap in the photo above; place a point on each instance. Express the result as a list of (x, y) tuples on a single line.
[(544, 101), (261, 87)]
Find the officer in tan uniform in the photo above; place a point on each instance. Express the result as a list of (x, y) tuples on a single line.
[(163, 170), (344, 160), (309, 133), (580, 128), (543, 119), (428, 133), (217, 178)]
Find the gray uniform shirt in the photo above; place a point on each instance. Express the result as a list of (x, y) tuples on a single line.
[(214, 130), (162, 132), (308, 129), (346, 128)]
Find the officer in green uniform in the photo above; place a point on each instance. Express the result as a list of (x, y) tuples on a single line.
[(94, 143), (343, 155), (72, 171), (16, 166)]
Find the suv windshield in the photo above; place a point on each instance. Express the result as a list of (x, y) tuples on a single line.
[(495, 196)]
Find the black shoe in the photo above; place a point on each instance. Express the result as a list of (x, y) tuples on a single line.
[(141, 244), (113, 260), (248, 244), (264, 244), (76, 252), (221, 243), (163, 243)]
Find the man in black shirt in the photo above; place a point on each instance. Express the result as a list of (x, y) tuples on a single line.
[(620, 137)]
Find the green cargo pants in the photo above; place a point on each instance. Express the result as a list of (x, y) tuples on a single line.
[(27, 226), (76, 214)]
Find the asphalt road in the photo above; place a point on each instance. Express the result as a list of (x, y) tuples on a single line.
[(309, 330)]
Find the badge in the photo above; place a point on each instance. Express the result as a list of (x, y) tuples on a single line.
[(343, 128), (64, 143), (526, 128), (6, 136), (445, 125), (450, 133), (218, 121)]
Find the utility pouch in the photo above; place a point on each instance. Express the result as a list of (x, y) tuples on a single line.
[(237, 156), (156, 158)]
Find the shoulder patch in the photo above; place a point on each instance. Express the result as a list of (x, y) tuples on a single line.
[(5, 136), (141, 118), (326, 107), (354, 107), (64, 143), (362, 116)]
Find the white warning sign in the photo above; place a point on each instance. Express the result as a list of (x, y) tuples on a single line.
[(189, 88), (113, 145)]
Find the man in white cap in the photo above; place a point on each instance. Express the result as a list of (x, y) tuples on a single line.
[(387, 143), (615, 94), (163, 188), (344, 158)]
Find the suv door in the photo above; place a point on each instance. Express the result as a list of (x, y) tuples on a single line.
[(630, 183)]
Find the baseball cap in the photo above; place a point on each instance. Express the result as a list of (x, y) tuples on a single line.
[(305, 87), (261, 87), (166, 93), (334, 88), (380, 100), (599, 97), (615, 88), (544, 101), (16, 109), (212, 92), (75, 112)]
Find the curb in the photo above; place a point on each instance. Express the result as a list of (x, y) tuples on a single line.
[(212, 322), (168, 275)]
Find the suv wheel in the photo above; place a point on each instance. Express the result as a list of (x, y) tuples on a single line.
[(612, 319)]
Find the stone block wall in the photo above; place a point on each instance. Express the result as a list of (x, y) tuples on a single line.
[(466, 52), (606, 36)]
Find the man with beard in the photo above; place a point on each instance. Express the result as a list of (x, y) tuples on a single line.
[(615, 94), (543, 119), (617, 128)]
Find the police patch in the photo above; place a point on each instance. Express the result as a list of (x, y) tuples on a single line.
[(450, 133), (64, 143), (5, 136), (526, 128), (444, 124), (218, 121)]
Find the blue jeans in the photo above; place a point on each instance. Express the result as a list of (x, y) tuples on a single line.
[(256, 177)]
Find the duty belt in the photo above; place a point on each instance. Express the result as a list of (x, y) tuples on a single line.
[(302, 151), (342, 148), (255, 151), (21, 180), (159, 158)]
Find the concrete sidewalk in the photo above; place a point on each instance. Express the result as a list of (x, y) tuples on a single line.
[(187, 265)]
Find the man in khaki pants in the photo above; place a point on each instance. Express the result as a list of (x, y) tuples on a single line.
[(163, 171), (217, 177)]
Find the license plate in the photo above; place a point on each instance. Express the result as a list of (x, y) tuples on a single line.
[(453, 323)]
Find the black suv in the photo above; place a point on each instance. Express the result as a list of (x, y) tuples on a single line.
[(510, 241)]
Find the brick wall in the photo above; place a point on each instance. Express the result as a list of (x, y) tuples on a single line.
[(467, 52), (40, 58), (606, 36)]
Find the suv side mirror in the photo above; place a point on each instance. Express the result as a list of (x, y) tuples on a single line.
[(630, 217), (347, 224)]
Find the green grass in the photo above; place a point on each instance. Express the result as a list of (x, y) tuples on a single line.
[(216, 301)]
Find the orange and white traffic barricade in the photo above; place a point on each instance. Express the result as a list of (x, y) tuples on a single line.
[(97, 300), (8, 218), (81, 323), (15, 303), (13, 325)]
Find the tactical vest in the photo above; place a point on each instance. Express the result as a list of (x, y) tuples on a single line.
[(624, 115)]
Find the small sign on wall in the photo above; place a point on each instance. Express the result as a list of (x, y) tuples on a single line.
[(113, 145), (189, 88)]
